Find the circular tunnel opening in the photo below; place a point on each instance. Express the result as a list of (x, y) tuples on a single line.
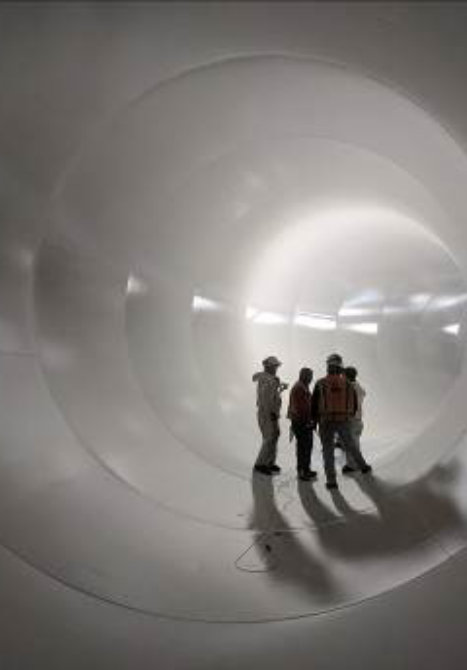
[(381, 289), (267, 204), (197, 234)]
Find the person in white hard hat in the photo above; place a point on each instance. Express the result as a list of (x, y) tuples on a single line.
[(334, 403), (334, 359), (269, 402)]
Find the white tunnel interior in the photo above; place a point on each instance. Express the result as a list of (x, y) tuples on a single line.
[(185, 189)]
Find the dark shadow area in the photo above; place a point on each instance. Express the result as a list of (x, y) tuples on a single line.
[(403, 522), (404, 517), (278, 551)]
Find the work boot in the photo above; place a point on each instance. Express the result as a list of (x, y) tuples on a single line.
[(263, 469), (304, 476), (347, 470)]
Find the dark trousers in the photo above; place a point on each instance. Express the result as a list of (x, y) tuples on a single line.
[(327, 432), (304, 436)]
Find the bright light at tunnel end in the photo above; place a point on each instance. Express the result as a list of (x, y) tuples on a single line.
[(366, 327), (452, 329), (315, 321), (136, 286), (202, 304)]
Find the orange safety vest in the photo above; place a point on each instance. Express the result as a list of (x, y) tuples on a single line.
[(336, 398)]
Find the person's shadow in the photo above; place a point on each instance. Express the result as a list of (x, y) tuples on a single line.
[(403, 520), (320, 513), (280, 550)]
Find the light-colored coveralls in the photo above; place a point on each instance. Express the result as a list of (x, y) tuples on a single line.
[(268, 401), (356, 422)]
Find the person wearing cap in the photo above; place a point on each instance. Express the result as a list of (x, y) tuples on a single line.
[(334, 404), (335, 359), (268, 401), (302, 425)]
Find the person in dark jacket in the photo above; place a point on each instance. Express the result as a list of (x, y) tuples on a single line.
[(299, 413), (334, 403)]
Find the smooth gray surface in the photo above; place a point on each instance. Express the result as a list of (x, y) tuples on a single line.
[(176, 181)]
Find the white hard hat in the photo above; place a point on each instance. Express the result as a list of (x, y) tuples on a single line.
[(272, 360)]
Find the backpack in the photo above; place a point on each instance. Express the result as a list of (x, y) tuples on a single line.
[(337, 398)]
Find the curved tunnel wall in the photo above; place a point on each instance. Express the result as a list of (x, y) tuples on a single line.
[(153, 248)]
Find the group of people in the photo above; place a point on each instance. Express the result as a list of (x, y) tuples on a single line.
[(334, 409)]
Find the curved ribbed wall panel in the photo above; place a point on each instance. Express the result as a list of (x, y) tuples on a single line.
[(184, 189)]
